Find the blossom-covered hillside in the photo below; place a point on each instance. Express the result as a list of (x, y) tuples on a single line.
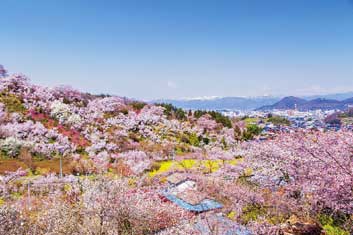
[(77, 163), (96, 132)]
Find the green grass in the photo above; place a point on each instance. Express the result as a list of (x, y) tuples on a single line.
[(252, 212), (12, 103), (249, 121), (334, 230), (331, 226)]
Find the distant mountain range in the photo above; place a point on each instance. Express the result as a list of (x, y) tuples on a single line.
[(292, 102), (225, 103), (330, 101), (336, 96)]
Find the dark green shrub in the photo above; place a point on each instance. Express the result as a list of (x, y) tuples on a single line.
[(138, 105), (217, 116), (251, 131), (173, 112)]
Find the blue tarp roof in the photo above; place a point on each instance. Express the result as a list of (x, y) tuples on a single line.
[(204, 205)]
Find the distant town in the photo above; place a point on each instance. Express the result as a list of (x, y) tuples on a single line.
[(290, 120)]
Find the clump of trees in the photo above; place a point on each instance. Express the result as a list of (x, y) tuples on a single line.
[(138, 105), (217, 116), (251, 131), (192, 139), (277, 120), (173, 112)]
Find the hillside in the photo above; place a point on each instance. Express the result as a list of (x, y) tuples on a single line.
[(78, 163), (93, 124)]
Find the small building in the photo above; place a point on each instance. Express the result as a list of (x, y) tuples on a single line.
[(184, 193), (176, 178)]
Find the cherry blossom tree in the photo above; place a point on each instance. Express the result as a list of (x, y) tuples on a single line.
[(316, 166), (206, 122)]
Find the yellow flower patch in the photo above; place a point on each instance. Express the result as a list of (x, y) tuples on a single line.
[(210, 165), (231, 215)]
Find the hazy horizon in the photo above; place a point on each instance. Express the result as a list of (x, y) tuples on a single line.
[(175, 49)]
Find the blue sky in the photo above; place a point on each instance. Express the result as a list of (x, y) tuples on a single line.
[(181, 48)]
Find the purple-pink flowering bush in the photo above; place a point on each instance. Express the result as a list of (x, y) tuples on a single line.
[(315, 167)]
